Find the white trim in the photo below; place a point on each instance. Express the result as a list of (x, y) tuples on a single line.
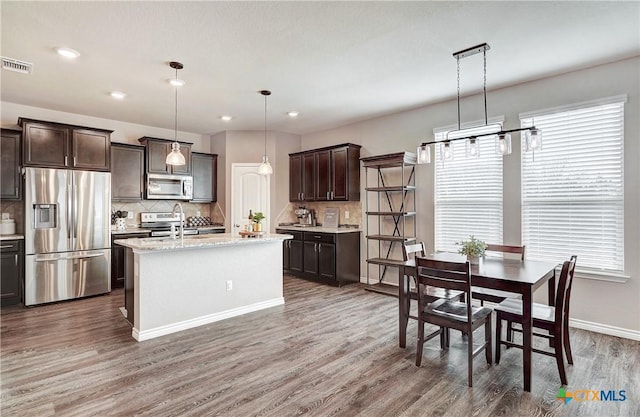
[(622, 98), (191, 323), (605, 329), (602, 276)]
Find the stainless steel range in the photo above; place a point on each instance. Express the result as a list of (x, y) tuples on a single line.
[(160, 223)]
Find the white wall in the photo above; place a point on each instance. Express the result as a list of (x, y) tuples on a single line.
[(606, 304), (248, 147)]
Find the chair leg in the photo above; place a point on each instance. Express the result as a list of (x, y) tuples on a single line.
[(420, 342), (509, 332), (447, 337), (470, 357), (560, 360), (488, 349), (443, 338), (565, 337), (498, 335)]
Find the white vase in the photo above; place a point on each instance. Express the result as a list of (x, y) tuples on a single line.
[(474, 260)]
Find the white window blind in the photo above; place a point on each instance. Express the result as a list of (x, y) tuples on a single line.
[(572, 189), (468, 193)]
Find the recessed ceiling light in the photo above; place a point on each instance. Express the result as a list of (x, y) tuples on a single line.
[(68, 53), (176, 82), (226, 118), (118, 95), (293, 114)]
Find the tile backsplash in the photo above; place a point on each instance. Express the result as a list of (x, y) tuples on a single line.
[(212, 210), (353, 207), (16, 211)]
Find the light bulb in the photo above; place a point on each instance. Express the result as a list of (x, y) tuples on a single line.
[(424, 154), (446, 151), (503, 144), (472, 147)]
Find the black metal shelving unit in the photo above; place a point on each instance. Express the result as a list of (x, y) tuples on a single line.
[(390, 209)]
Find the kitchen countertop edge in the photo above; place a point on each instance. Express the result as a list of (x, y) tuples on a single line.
[(320, 229), (147, 245)]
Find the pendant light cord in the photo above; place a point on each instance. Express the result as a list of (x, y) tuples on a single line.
[(175, 125), (458, 62), (486, 120), (265, 126)]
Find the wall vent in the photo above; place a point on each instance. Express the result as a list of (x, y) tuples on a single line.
[(16, 65)]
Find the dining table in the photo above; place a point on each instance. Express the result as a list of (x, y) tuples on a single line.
[(504, 274)]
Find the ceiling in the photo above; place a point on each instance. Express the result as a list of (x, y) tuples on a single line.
[(334, 62)]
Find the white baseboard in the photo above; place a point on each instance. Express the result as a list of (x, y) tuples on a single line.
[(605, 329), (189, 324)]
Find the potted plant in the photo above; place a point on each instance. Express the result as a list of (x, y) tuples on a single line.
[(257, 219), (472, 248)]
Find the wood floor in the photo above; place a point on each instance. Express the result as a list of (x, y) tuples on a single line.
[(327, 352)]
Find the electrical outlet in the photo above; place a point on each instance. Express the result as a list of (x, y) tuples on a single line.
[(346, 214), (229, 285), (130, 215)]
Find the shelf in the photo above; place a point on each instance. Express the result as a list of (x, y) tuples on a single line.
[(390, 238), (390, 189), (390, 160), (385, 289), (386, 262), (391, 213)]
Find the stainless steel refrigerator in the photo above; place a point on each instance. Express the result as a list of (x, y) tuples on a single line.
[(67, 234)]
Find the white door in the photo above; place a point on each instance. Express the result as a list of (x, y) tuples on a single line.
[(249, 191)]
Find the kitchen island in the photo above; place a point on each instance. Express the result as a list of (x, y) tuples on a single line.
[(173, 284)]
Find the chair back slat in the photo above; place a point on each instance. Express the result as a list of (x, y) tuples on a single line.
[(443, 274), (506, 249), (410, 251)]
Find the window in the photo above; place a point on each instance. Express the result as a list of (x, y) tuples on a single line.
[(572, 190), (468, 193)]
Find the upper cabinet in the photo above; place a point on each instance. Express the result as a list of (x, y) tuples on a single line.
[(205, 176), (157, 151), (56, 145), (302, 177), (326, 174), (10, 179), (127, 172)]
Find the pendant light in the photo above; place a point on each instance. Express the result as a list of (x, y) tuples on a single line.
[(175, 157), (265, 167), (533, 136)]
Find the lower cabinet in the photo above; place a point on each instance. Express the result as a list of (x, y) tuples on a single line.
[(117, 258), (332, 258), (11, 271)]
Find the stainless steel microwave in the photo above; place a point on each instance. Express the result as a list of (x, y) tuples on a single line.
[(169, 187)]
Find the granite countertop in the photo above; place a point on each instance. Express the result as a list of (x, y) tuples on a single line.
[(135, 229), (320, 229), (151, 244), (11, 237)]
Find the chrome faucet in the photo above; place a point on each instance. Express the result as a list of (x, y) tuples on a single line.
[(173, 212)]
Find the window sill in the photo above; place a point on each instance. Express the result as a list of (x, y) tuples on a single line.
[(602, 276)]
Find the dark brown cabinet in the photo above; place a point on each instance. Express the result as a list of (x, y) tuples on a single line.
[(11, 271), (332, 258), (127, 172), (205, 177), (10, 178), (301, 177), (56, 145), (334, 174), (118, 258), (292, 251), (156, 155)]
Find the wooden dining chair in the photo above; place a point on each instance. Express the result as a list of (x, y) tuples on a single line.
[(551, 319), (497, 296), (411, 251), (450, 314)]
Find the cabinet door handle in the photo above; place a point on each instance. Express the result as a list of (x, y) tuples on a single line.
[(302, 194), (74, 161), (15, 259), (66, 160), (317, 237), (6, 246)]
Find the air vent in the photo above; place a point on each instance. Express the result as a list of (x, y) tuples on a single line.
[(17, 66)]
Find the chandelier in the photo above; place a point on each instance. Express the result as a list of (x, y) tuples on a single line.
[(533, 136)]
